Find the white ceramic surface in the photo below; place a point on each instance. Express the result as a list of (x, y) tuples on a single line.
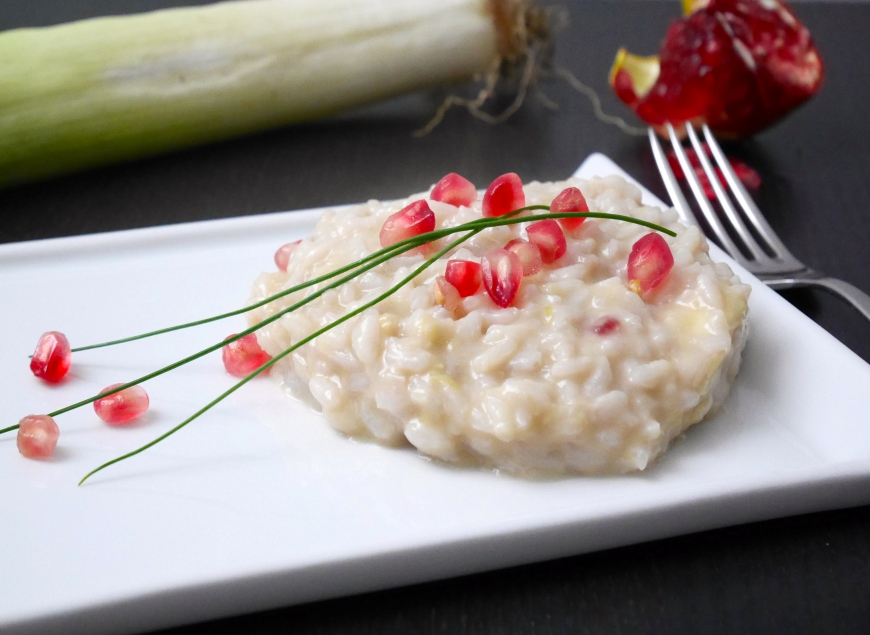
[(260, 504)]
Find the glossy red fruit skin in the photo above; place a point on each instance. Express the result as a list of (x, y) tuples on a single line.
[(454, 190), (52, 358), (529, 255), (738, 65), (122, 407), (412, 220), (244, 356), (464, 275), (549, 238), (649, 263), (37, 436), (504, 195), (282, 256), (570, 200), (502, 275)]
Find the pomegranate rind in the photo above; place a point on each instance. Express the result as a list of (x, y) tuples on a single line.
[(737, 65)]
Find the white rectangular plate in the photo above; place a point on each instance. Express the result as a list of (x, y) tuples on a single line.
[(261, 504)]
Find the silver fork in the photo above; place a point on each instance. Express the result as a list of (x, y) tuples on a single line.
[(781, 270)]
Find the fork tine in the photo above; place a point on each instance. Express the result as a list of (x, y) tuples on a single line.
[(724, 201), (747, 204), (701, 198), (671, 185)]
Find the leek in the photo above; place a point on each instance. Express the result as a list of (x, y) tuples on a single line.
[(108, 89)]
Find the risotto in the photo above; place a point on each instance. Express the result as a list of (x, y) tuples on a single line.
[(582, 373)]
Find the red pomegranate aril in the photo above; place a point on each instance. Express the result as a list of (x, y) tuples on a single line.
[(606, 326), (549, 238), (52, 358), (447, 295), (570, 200), (454, 190), (504, 195), (464, 275), (529, 255), (37, 436), (747, 175), (282, 256), (649, 262), (413, 220), (244, 356), (121, 407), (502, 275)]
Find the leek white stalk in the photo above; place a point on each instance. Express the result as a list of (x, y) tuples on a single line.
[(107, 89)]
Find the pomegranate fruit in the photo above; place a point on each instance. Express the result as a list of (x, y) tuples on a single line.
[(504, 195), (747, 175), (736, 65), (649, 262), (464, 275), (447, 295), (502, 275), (282, 256), (569, 200), (606, 326), (529, 255), (37, 436), (548, 237), (121, 407), (454, 190), (244, 356), (52, 358), (413, 220)]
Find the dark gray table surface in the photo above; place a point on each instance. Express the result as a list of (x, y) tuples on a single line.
[(807, 574)]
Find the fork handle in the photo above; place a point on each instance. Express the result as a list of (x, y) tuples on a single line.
[(852, 294)]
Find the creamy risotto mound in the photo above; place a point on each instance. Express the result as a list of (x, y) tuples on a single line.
[(581, 375)]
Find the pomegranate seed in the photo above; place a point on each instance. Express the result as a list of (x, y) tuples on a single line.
[(548, 237), (52, 358), (37, 436), (244, 356), (649, 262), (529, 255), (747, 175), (606, 326), (504, 195), (454, 190), (464, 275), (413, 220), (121, 407), (447, 295), (282, 256), (502, 274), (570, 200)]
